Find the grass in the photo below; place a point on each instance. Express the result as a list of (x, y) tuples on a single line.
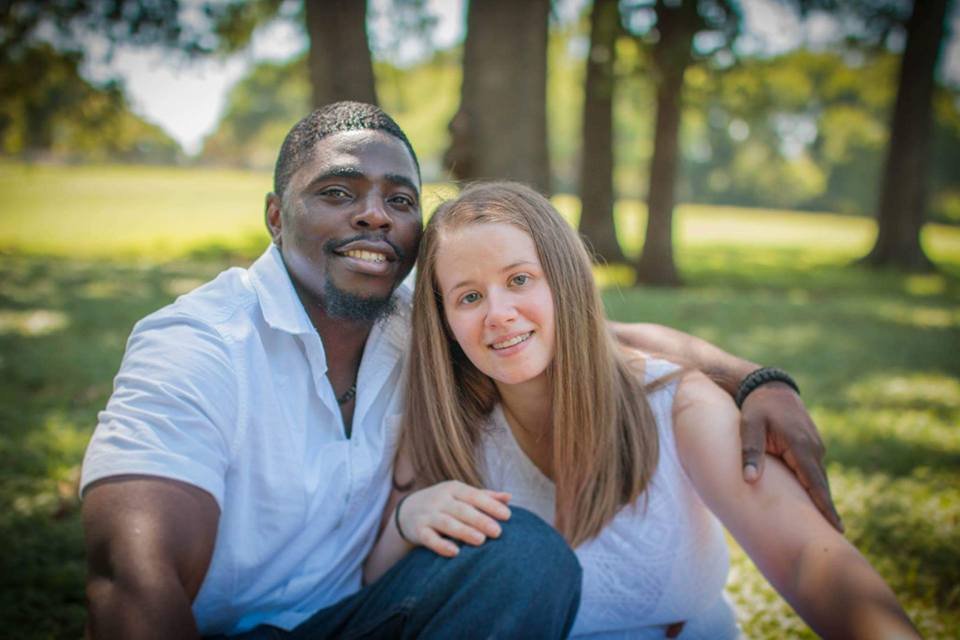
[(88, 251)]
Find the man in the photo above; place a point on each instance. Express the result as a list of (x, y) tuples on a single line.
[(236, 479)]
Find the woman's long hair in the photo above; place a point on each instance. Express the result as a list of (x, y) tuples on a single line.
[(604, 436)]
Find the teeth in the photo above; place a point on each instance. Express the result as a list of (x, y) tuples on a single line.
[(369, 256), (511, 341)]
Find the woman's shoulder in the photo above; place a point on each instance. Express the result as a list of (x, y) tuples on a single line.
[(695, 390), (646, 368)]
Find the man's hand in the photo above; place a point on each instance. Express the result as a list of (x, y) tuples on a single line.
[(774, 420)]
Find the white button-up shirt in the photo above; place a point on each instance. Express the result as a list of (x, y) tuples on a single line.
[(226, 389)]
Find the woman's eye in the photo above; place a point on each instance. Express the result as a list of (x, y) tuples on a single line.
[(470, 298), (521, 279)]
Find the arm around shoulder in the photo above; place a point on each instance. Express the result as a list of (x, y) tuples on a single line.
[(823, 577)]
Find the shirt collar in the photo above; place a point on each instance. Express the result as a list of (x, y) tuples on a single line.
[(281, 306), (283, 310)]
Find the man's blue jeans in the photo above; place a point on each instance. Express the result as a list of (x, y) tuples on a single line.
[(524, 584)]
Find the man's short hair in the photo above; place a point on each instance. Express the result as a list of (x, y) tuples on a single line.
[(329, 119)]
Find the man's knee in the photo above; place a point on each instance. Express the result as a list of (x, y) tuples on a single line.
[(528, 545), (525, 583)]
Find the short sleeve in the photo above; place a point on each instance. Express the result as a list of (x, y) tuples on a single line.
[(173, 410)]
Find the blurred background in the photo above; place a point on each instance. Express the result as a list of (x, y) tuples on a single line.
[(781, 177)]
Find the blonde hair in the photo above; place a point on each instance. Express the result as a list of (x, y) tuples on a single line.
[(604, 437)]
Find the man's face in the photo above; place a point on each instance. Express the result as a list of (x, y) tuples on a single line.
[(349, 221)]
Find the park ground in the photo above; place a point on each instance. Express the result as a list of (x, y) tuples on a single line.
[(86, 251)]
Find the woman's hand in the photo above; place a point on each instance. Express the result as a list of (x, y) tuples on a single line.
[(453, 510)]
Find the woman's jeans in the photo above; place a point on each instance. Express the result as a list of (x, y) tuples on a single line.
[(524, 584)]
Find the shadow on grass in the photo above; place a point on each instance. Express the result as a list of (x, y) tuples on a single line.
[(891, 455), (912, 537), (63, 328)]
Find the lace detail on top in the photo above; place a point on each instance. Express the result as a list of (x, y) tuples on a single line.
[(660, 560)]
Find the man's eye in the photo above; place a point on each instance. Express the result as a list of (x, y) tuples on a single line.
[(334, 192), (403, 201)]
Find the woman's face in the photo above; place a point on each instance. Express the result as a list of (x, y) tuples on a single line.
[(497, 301)]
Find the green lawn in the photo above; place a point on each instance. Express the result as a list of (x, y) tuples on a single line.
[(85, 252)]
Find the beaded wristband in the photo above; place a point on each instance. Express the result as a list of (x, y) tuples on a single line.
[(396, 518), (761, 377)]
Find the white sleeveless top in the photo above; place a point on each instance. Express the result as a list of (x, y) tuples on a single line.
[(652, 565)]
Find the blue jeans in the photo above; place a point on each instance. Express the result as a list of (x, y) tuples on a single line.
[(524, 584)]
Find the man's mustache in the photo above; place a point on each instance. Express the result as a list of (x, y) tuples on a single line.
[(332, 245)]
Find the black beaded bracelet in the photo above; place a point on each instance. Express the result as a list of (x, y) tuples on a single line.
[(396, 518), (760, 377)]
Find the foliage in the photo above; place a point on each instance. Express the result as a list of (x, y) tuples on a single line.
[(48, 110), (874, 353), (802, 130), (260, 110), (24, 23)]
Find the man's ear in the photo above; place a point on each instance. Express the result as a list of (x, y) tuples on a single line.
[(272, 217)]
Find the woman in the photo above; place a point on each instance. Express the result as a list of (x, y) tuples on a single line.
[(515, 385)]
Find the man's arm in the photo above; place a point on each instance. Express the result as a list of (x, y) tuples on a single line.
[(149, 541), (773, 418), (153, 479)]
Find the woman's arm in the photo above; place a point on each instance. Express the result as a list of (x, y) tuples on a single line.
[(773, 417), (431, 517), (823, 577)]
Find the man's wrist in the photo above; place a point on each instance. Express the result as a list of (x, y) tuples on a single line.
[(760, 377), (728, 376)]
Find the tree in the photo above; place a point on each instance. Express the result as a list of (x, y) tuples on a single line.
[(596, 162), (338, 60), (902, 205), (674, 26), (903, 195), (46, 107), (339, 57), (500, 128)]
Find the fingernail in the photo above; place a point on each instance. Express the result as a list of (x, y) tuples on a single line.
[(750, 472)]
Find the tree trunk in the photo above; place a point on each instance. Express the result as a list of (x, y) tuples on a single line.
[(500, 129), (339, 57), (903, 197), (596, 162), (671, 56)]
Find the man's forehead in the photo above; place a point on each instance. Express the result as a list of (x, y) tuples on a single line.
[(366, 150)]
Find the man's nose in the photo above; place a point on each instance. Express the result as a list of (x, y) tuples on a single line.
[(373, 215)]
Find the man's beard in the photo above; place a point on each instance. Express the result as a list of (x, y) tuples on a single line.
[(344, 305)]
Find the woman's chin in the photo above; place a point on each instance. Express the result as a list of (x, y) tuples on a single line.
[(515, 378)]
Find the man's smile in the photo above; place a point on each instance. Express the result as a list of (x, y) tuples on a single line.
[(375, 257), (369, 256)]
